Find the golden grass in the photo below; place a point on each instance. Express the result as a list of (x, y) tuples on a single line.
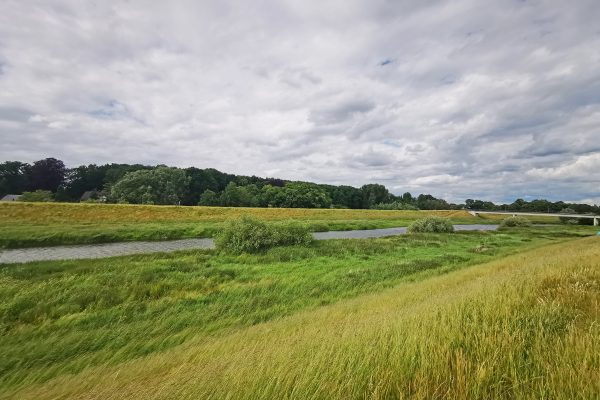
[(41, 213), (525, 327)]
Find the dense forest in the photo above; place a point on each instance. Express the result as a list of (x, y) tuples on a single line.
[(51, 180)]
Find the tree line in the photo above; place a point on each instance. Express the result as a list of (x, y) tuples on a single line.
[(50, 179)]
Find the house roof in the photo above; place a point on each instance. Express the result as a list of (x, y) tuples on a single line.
[(88, 194), (11, 197)]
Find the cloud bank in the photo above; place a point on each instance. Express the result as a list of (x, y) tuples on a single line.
[(491, 100)]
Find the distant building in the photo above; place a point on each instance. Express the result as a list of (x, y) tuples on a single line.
[(93, 195), (88, 195), (11, 197)]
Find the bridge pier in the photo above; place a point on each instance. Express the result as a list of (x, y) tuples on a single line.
[(596, 222)]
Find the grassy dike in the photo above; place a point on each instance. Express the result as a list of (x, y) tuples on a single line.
[(51, 224), (384, 318)]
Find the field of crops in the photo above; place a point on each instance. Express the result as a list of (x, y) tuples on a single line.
[(421, 316)]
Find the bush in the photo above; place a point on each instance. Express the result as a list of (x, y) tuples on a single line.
[(513, 222), (37, 196), (574, 220), (568, 220), (431, 225), (249, 235)]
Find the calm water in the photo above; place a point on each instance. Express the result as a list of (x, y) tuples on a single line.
[(375, 233)]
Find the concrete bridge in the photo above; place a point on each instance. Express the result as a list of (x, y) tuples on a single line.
[(596, 218)]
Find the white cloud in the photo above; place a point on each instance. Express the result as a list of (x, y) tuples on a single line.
[(478, 100), (584, 168)]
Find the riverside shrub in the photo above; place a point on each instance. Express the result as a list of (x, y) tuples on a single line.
[(431, 225), (514, 222), (250, 235)]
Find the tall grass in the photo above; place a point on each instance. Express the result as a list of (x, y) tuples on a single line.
[(522, 327)]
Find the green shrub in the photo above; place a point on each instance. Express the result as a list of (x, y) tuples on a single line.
[(513, 222), (568, 220), (574, 220), (250, 235), (432, 225), (37, 196)]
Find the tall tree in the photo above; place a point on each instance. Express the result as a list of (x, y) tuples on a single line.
[(407, 198), (14, 177), (374, 194), (83, 178), (47, 174), (236, 196), (161, 185)]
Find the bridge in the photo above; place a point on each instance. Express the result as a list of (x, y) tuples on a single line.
[(596, 218)]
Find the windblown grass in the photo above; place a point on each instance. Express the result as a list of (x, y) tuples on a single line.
[(206, 325), (48, 224), (251, 235)]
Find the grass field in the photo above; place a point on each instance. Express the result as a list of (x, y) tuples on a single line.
[(512, 314), (48, 224)]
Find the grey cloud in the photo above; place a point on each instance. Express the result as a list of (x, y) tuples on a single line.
[(340, 112), (15, 114), (373, 158), (503, 96)]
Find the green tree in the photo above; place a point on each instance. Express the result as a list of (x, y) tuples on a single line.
[(14, 177), (304, 195), (48, 174), (203, 179), (82, 179), (373, 194), (344, 196), (407, 198), (162, 185), (209, 198), (239, 196)]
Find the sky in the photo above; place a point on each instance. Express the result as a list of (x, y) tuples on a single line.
[(494, 100)]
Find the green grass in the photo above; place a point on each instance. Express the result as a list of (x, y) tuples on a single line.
[(72, 317), (50, 224)]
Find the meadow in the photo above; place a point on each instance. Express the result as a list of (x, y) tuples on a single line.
[(49, 224), (507, 314)]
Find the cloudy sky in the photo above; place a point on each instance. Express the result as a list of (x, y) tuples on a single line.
[(481, 99)]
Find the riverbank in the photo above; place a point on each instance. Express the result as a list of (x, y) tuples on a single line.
[(413, 315), (141, 247)]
